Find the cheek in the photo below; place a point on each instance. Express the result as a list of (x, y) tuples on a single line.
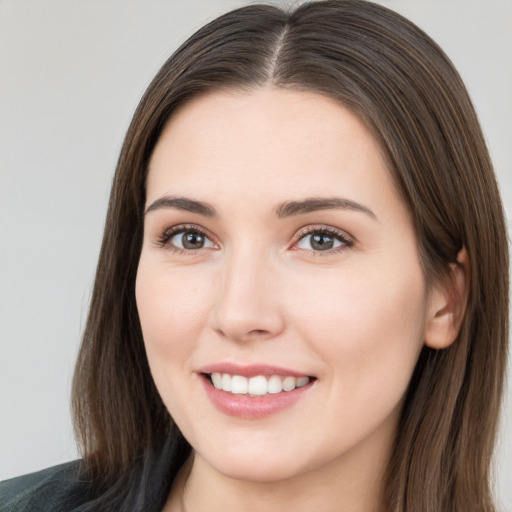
[(367, 323), (172, 308), (369, 336)]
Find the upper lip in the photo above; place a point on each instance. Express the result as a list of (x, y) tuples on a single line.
[(250, 370)]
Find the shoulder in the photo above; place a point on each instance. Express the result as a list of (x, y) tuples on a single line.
[(58, 489)]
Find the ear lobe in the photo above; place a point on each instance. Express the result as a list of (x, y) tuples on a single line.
[(448, 304)]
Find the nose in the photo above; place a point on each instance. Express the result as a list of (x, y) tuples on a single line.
[(247, 306)]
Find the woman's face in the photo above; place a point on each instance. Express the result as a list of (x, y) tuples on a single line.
[(277, 254)]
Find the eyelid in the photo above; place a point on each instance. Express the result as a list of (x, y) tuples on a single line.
[(348, 240), (163, 239)]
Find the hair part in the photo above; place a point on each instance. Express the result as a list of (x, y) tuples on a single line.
[(405, 89)]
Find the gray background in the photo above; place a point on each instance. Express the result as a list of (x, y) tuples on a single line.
[(71, 74)]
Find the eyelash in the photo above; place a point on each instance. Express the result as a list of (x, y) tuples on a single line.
[(346, 242), (164, 239)]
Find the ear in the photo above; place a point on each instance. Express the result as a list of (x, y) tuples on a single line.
[(447, 305)]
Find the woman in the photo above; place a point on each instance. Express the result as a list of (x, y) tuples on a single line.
[(301, 299)]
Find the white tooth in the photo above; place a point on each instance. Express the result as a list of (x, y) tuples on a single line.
[(258, 385), (289, 383), (217, 380), (239, 385), (302, 381), (274, 384), (226, 382)]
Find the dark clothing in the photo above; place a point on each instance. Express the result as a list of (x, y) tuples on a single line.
[(57, 489), (61, 488)]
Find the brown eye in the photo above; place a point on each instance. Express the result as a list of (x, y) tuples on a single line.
[(321, 240), (190, 240)]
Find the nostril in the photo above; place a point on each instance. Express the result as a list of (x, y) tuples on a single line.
[(257, 332)]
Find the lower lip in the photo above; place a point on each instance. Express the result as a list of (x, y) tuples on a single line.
[(253, 407)]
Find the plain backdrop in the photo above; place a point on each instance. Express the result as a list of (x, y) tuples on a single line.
[(71, 75)]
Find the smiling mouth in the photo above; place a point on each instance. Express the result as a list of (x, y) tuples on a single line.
[(259, 385)]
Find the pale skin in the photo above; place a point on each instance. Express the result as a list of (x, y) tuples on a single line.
[(352, 311)]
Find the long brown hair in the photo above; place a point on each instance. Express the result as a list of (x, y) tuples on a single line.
[(408, 93)]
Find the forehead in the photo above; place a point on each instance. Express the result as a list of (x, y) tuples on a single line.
[(269, 143)]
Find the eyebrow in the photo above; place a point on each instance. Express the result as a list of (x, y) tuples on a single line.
[(286, 209), (314, 204), (183, 203)]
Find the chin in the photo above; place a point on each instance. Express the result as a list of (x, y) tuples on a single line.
[(258, 462), (256, 470)]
